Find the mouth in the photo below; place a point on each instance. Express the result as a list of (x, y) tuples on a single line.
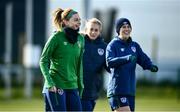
[(76, 26), (93, 36), (126, 33)]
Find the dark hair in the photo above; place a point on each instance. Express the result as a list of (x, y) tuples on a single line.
[(60, 15), (120, 22)]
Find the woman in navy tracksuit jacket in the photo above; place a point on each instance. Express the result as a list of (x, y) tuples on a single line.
[(93, 64), (122, 54)]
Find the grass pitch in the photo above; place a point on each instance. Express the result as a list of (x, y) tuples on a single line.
[(142, 104), (147, 99)]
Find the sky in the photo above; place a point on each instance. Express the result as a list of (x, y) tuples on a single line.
[(158, 19)]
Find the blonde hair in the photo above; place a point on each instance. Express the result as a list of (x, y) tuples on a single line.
[(94, 21)]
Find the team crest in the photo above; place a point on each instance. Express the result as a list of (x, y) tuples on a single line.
[(123, 99), (100, 51), (79, 44), (133, 49), (60, 91), (122, 49), (65, 43)]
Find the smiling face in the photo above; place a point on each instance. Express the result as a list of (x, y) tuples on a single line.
[(125, 31), (92, 30), (73, 22)]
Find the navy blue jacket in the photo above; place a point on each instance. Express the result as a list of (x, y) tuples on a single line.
[(93, 64), (122, 78)]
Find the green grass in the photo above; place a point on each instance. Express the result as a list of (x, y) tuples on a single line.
[(22, 105), (142, 104), (147, 99), (146, 104)]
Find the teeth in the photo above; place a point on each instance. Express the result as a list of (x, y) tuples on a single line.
[(126, 33)]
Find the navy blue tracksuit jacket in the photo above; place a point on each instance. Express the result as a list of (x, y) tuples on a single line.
[(93, 64), (122, 77)]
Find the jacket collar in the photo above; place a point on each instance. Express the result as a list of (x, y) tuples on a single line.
[(122, 41)]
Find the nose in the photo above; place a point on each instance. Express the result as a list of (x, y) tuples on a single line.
[(79, 23), (93, 31)]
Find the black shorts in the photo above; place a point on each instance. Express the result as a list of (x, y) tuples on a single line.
[(121, 101)]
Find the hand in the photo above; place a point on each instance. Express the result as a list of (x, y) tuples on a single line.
[(53, 89), (80, 92), (132, 58), (154, 68)]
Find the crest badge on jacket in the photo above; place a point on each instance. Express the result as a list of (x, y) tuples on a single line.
[(133, 49), (100, 51)]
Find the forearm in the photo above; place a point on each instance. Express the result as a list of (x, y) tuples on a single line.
[(44, 66), (117, 61)]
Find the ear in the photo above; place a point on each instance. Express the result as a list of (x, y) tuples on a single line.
[(65, 22)]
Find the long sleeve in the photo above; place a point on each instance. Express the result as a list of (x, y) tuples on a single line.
[(111, 59), (106, 68), (143, 60), (45, 60), (80, 70)]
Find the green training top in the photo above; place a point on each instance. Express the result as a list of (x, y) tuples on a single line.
[(61, 62)]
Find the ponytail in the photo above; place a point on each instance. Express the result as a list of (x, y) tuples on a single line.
[(60, 15), (57, 18)]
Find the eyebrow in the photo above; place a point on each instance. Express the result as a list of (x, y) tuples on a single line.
[(78, 18), (94, 28)]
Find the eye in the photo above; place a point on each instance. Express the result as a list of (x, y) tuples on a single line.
[(128, 26), (91, 29), (124, 26), (77, 19), (96, 30)]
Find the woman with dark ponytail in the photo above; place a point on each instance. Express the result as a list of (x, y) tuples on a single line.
[(61, 63)]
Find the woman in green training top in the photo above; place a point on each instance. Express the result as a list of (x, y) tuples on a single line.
[(61, 64)]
